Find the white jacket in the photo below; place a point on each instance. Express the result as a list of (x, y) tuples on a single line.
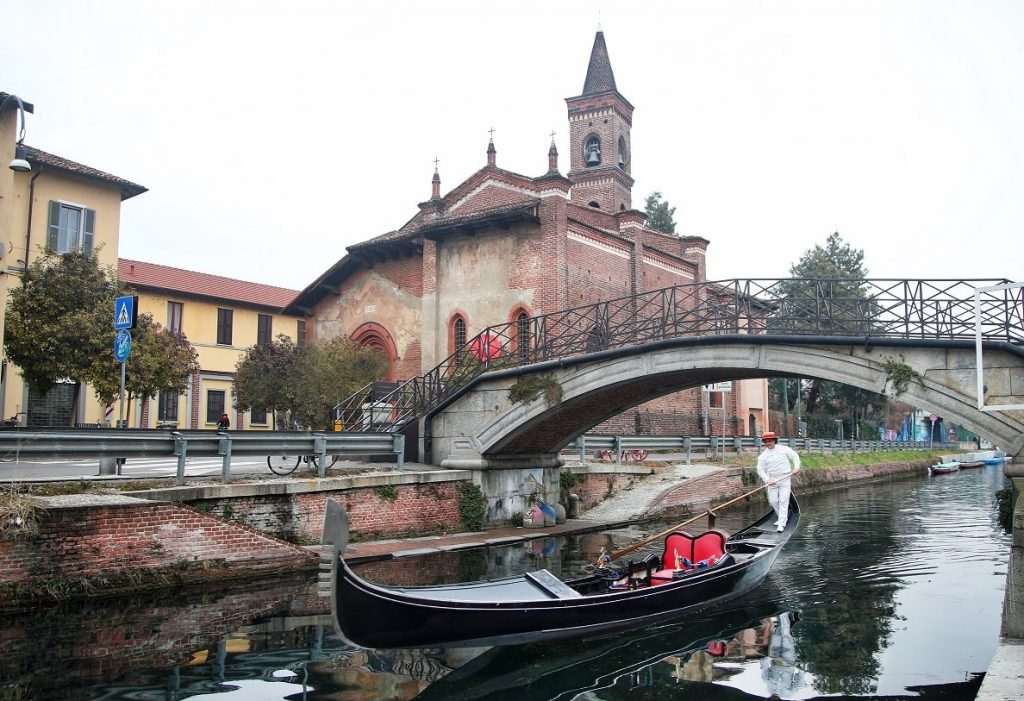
[(774, 463)]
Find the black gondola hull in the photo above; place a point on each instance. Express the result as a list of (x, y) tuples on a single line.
[(511, 611)]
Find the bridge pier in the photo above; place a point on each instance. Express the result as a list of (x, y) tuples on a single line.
[(512, 484)]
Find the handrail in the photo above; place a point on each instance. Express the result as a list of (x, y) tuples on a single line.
[(155, 443), (790, 307)]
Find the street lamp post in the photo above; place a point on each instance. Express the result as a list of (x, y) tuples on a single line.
[(20, 163)]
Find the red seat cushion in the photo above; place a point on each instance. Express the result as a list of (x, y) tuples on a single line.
[(708, 545), (680, 543)]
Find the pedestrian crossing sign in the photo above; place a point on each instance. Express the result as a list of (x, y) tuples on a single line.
[(126, 312)]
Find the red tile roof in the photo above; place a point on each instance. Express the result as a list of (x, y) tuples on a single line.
[(128, 188), (143, 275)]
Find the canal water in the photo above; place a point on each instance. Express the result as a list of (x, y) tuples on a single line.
[(891, 589)]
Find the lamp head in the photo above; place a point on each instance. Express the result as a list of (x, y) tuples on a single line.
[(20, 163)]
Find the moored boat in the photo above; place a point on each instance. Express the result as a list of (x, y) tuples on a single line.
[(943, 468), (693, 572), (971, 464)]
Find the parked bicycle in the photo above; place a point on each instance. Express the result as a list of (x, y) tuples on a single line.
[(287, 464), (627, 455)]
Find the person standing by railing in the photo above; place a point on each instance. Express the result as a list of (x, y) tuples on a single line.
[(775, 465)]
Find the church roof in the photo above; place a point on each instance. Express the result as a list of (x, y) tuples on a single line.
[(501, 215), (599, 72)]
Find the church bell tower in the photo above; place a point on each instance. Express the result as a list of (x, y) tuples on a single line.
[(599, 124)]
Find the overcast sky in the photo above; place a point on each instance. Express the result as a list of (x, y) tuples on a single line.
[(271, 135)]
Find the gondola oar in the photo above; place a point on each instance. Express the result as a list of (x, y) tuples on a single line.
[(642, 543)]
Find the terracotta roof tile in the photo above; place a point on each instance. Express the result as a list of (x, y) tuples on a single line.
[(189, 282), (524, 207), (128, 188)]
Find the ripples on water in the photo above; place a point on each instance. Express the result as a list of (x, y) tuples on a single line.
[(886, 588)]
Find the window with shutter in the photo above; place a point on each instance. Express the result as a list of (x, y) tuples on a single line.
[(72, 228)]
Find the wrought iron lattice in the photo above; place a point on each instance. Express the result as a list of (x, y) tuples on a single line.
[(861, 309)]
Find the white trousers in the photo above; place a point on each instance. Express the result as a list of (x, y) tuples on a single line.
[(778, 497)]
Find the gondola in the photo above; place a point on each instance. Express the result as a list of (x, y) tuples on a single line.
[(944, 468), (971, 464), (692, 573)]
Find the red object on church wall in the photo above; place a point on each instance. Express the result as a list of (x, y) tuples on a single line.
[(485, 347)]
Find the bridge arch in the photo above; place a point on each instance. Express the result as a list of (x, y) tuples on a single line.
[(482, 429)]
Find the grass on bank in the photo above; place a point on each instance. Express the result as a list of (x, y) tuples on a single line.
[(809, 460)]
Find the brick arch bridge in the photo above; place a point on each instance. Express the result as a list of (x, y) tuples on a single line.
[(482, 429)]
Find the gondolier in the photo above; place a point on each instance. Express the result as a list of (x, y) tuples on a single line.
[(775, 465)]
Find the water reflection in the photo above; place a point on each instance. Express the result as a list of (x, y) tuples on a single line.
[(872, 596)]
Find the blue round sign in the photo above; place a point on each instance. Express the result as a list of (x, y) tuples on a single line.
[(122, 345)]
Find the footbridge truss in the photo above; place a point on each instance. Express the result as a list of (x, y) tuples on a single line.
[(605, 358)]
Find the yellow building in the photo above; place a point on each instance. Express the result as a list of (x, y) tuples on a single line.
[(221, 317), (47, 200)]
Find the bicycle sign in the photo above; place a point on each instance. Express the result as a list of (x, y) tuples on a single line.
[(122, 345)]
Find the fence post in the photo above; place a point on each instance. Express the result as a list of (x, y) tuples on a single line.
[(618, 450), (714, 447), (181, 450), (737, 444), (320, 448), (582, 440), (224, 448), (688, 447), (399, 446)]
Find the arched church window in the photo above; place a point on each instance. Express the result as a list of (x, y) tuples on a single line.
[(459, 332), (592, 151), (523, 338), (456, 337)]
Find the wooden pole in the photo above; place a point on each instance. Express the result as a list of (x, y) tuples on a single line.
[(709, 512)]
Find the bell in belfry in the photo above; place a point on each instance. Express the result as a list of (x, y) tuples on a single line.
[(593, 155)]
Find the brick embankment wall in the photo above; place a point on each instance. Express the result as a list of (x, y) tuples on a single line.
[(116, 538), (593, 488), (373, 512), (709, 488)]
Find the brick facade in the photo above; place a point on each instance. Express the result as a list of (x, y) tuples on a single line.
[(500, 242)]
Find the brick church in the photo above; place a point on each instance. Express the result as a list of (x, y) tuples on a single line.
[(501, 246)]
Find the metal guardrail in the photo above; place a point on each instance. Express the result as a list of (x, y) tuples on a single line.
[(620, 447), (157, 443)]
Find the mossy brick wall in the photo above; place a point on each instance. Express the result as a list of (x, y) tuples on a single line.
[(81, 537), (419, 508)]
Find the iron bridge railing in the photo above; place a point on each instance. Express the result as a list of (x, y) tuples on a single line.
[(862, 309)]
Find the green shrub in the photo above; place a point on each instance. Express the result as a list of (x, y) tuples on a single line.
[(471, 507)]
